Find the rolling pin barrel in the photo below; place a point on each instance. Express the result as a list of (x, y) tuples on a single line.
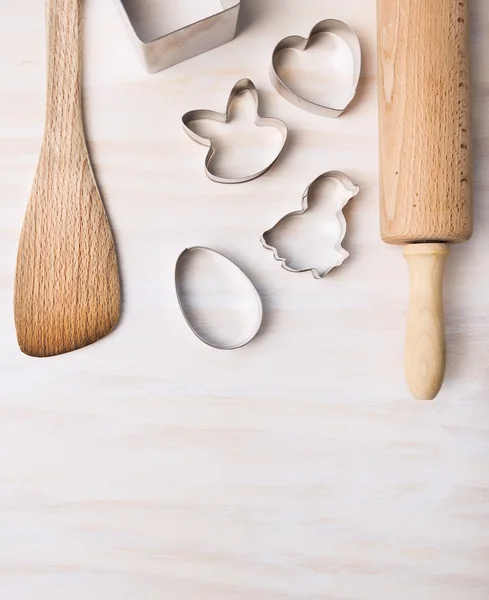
[(425, 182)]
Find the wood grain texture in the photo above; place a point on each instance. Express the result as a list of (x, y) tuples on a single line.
[(425, 353), (425, 166), (151, 467), (67, 292)]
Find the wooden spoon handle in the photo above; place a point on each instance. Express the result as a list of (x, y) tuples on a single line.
[(64, 63), (425, 340)]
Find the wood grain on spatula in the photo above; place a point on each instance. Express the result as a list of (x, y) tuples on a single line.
[(67, 290)]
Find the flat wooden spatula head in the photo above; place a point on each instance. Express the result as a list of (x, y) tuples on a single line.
[(67, 290)]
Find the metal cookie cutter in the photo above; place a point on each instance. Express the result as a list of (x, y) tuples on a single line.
[(340, 253), (184, 43), (243, 85), (204, 307), (299, 43)]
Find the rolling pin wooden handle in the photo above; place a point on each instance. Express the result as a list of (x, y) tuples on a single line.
[(64, 63), (425, 340)]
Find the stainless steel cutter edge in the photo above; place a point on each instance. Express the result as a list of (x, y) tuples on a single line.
[(194, 115), (297, 42), (353, 189), (259, 301), (186, 42)]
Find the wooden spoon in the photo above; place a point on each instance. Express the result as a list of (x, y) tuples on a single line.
[(67, 290)]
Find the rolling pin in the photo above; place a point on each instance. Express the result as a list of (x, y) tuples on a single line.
[(425, 179)]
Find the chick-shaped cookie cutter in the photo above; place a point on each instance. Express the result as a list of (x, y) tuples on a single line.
[(342, 253), (243, 85), (296, 42)]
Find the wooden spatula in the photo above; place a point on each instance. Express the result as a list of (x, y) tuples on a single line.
[(67, 290)]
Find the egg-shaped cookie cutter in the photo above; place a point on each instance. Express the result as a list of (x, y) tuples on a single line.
[(296, 42), (239, 343)]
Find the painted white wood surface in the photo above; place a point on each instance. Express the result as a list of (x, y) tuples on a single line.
[(150, 466)]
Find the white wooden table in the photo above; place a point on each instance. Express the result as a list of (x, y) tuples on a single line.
[(150, 466)]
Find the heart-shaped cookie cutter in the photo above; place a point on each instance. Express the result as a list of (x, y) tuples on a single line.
[(243, 85), (297, 42), (343, 254), (177, 46)]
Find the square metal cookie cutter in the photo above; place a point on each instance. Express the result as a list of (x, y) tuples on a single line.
[(184, 43)]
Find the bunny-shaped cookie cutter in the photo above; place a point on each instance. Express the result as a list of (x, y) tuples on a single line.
[(243, 85)]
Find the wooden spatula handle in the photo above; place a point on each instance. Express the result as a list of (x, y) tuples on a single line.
[(64, 62), (425, 340)]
